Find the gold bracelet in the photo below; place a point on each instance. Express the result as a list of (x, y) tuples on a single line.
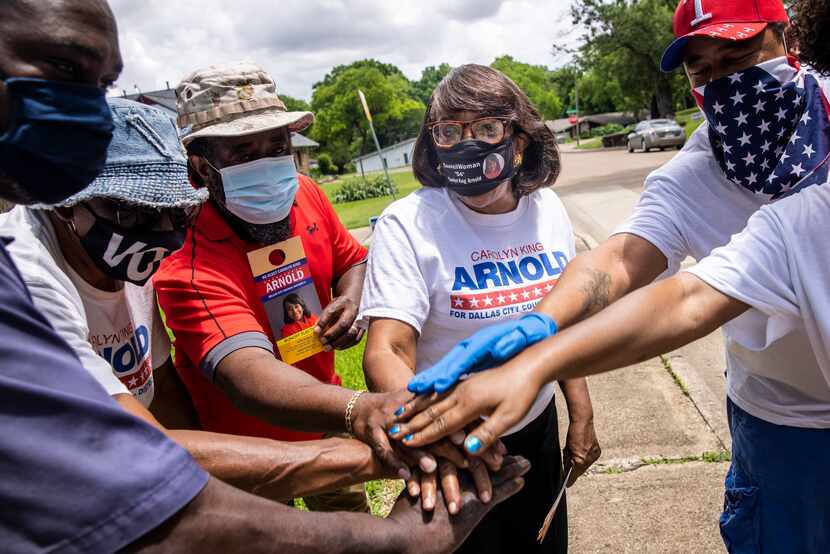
[(349, 407)]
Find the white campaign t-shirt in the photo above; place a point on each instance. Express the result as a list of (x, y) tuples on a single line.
[(780, 265), (118, 336), (689, 208), (449, 271)]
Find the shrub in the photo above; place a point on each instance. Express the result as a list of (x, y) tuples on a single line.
[(609, 129), (327, 166), (355, 188)]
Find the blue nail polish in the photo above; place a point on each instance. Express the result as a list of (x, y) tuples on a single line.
[(472, 444), (407, 438), (395, 430), (400, 411)]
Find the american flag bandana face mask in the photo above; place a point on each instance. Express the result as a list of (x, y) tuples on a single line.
[(769, 127)]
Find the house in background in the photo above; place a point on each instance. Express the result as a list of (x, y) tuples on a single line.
[(589, 122), (303, 147), (397, 155), (166, 100)]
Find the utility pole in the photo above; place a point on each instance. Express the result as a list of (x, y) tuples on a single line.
[(578, 125), (377, 143)]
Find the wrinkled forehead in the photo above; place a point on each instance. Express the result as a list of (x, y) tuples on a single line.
[(85, 27)]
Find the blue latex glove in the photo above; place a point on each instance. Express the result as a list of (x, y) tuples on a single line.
[(484, 349)]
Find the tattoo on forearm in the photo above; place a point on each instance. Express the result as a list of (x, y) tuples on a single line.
[(597, 291)]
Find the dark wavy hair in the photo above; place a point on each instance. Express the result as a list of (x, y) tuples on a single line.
[(810, 28), (294, 298), (486, 91)]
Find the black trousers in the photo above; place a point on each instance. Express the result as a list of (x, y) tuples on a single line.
[(513, 525)]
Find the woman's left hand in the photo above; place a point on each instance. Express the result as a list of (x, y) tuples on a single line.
[(336, 327), (581, 448)]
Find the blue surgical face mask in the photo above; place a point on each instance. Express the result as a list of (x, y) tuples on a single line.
[(56, 141), (260, 192)]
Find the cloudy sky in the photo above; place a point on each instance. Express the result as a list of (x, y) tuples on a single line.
[(299, 41)]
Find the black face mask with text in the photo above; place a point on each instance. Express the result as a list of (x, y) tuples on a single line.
[(474, 167), (133, 257)]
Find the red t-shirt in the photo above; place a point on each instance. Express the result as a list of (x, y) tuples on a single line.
[(208, 295)]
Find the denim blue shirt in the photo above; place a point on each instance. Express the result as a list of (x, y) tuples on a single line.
[(77, 473)]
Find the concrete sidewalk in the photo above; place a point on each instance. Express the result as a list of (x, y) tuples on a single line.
[(658, 487)]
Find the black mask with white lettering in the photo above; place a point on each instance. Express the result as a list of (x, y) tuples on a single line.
[(133, 256), (474, 167)]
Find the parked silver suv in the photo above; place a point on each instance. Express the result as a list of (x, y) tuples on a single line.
[(657, 133)]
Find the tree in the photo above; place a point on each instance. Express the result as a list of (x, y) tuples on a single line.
[(341, 127), (386, 69), (430, 77), (564, 83), (327, 167), (537, 81), (598, 93), (625, 39), (295, 104)]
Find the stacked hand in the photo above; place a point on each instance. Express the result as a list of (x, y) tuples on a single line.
[(437, 532), (432, 427), (431, 467), (504, 394), (441, 465)]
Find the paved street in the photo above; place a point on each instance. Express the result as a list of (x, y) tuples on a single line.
[(652, 491)]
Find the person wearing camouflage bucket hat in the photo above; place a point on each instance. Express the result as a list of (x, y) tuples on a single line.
[(237, 133)]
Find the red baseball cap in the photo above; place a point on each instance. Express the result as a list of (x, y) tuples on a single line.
[(723, 19)]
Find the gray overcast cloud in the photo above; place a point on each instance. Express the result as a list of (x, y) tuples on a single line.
[(299, 41)]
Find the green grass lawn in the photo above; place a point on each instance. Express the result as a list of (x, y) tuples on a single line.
[(357, 214), (684, 119), (590, 144), (349, 365)]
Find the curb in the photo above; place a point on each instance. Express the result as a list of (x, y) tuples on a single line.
[(592, 150), (705, 402)]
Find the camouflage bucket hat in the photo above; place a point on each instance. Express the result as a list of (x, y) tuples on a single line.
[(232, 100)]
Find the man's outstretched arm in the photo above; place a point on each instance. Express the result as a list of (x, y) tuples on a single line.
[(596, 279), (651, 321), (591, 282), (224, 519), (273, 469)]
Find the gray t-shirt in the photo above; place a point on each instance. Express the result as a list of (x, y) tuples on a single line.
[(79, 473)]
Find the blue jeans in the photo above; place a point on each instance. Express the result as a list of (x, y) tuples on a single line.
[(777, 497)]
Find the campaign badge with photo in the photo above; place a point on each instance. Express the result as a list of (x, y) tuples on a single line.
[(284, 284), (493, 166)]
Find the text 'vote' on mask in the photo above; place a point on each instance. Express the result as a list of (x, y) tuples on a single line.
[(127, 256)]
